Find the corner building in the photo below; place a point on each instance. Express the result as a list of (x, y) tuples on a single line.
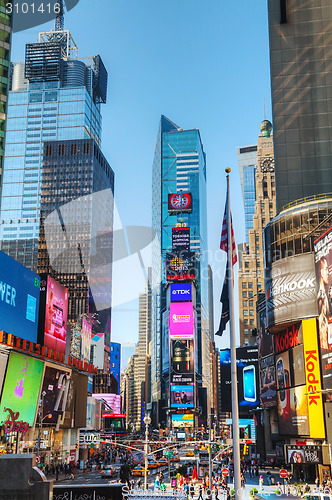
[(179, 165)]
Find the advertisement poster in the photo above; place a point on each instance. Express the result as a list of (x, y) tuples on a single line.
[(182, 396), (180, 238), (182, 360), (180, 202), (265, 340), (22, 386), (56, 316), (181, 320), (268, 383), (247, 375), (86, 340), (297, 365), (165, 342), (56, 387), (19, 299), (290, 290), (181, 266), (181, 292), (283, 373), (293, 411), (323, 266), (186, 420), (304, 454)]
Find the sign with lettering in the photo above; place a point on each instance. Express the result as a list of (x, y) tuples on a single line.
[(89, 438), (181, 266), (87, 492), (288, 338), (304, 454), (13, 424), (180, 238)]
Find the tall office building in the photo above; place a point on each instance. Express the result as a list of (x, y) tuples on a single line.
[(247, 161), (127, 350), (179, 165), (251, 262), (301, 82), (5, 35), (54, 96)]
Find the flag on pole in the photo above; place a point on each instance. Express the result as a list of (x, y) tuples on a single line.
[(224, 299)]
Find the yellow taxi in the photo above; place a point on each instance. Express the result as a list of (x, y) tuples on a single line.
[(140, 471)]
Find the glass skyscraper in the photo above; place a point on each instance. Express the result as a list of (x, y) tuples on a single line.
[(179, 165), (53, 96), (5, 34), (247, 161)]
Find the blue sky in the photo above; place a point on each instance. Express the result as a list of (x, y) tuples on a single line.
[(203, 64)]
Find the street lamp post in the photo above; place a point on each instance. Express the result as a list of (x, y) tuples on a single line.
[(147, 421)]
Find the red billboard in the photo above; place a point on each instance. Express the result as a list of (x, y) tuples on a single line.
[(181, 320), (55, 331), (180, 202)]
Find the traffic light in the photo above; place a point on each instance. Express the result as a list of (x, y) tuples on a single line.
[(245, 449), (77, 446)]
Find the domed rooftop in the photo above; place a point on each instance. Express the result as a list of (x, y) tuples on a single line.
[(266, 128)]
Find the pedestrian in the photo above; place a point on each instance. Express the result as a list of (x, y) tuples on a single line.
[(243, 481), (139, 483), (57, 473), (156, 485), (261, 482), (162, 486)]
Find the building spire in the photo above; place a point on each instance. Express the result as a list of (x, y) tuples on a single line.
[(264, 109), (60, 20)]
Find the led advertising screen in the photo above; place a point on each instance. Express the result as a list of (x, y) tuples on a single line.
[(182, 396), (293, 411), (304, 454), (180, 202), (55, 386), (180, 238), (19, 299), (268, 384), (186, 420), (248, 379), (181, 292), (182, 362), (181, 266), (54, 310), (181, 320), (323, 267), (86, 340), (22, 386)]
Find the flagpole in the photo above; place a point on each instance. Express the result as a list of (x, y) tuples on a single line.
[(234, 393)]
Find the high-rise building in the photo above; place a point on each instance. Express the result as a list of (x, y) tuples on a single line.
[(179, 166), (116, 362), (300, 58), (251, 261), (54, 96), (127, 350), (247, 161), (5, 35)]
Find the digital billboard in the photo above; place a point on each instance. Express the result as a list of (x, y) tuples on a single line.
[(323, 267), (53, 314), (268, 384), (182, 396), (181, 292), (186, 420), (180, 202), (290, 290), (181, 320), (165, 342), (182, 361), (180, 238), (248, 379), (19, 299), (86, 340), (304, 454), (181, 266), (55, 386), (293, 411), (22, 386)]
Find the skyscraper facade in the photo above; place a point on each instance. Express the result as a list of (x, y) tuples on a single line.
[(5, 35), (56, 99), (301, 84), (247, 162), (179, 166), (251, 262)]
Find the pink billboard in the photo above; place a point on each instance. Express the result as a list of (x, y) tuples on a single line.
[(86, 340), (181, 320), (56, 316)]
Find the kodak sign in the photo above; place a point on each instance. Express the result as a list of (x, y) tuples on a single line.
[(313, 379)]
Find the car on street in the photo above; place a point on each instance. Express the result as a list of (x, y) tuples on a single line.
[(140, 471), (109, 471), (190, 454), (175, 458), (153, 464), (162, 462)]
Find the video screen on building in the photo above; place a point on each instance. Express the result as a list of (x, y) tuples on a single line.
[(293, 411), (19, 299), (180, 202), (181, 266), (22, 387), (86, 340), (180, 238), (182, 396), (55, 386), (181, 292), (268, 384), (310, 454), (53, 314), (182, 420), (182, 361), (181, 320)]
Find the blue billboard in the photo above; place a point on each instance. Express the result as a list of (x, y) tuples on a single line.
[(19, 299), (181, 292)]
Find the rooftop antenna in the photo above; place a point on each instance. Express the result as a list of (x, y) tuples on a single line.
[(264, 109), (60, 20)]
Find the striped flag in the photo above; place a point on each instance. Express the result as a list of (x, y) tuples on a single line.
[(224, 234)]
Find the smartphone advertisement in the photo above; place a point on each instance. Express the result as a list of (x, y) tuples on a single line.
[(182, 396), (55, 388), (247, 375), (268, 383)]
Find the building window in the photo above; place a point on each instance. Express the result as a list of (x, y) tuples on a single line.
[(259, 285), (244, 285), (245, 303), (251, 303), (251, 312), (258, 264), (49, 150), (250, 285), (73, 149), (244, 294), (246, 331), (246, 264), (245, 321), (245, 312), (252, 322), (62, 149), (257, 239), (251, 294), (86, 148)]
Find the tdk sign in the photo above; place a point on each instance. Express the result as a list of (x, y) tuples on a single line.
[(180, 292)]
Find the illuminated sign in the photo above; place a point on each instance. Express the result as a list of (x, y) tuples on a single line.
[(181, 266), (53, 314), (12, 424), (180, 238), (19, 299), (181, 292), (185, 420), (304, 454), (288, 338), (180, 202), (313, 379), (86, 340), (182, 396), (181, 320)]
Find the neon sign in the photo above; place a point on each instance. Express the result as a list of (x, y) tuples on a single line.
[(12, 424)]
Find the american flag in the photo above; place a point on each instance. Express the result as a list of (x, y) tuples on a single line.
[(224, 233)]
